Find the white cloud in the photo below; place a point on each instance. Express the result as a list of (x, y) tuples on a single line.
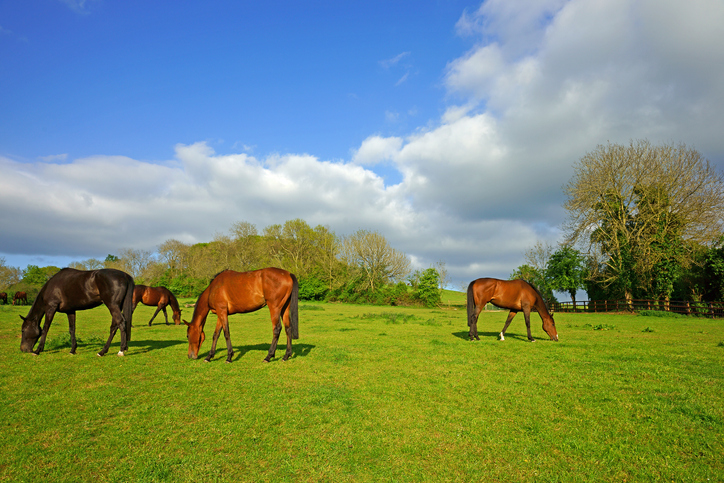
[(376, 149)]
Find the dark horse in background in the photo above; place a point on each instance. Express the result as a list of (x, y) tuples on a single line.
[(514, 295), (159, 297), (20, 297), (4, 297), (242, 292), (70, 290)]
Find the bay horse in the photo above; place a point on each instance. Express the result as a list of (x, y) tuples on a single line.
[(70, 290), (4, 297), (243, 292), (159, 297), (20, 297), (514, 295)]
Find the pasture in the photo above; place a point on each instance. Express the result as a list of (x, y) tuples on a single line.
[(370, 394)]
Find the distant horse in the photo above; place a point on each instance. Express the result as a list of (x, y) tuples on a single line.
[(70, 290), (20, 297), (514, 295), (159, 297), (4, 297), (233, 293)]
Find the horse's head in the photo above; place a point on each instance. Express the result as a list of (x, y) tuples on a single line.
[(549, 326), (177, 317), (30, 334), (195, 335)]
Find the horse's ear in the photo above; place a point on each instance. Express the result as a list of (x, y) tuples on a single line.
[(189, 325), (22, 317)]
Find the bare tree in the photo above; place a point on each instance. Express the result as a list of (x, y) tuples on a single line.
[(371, 252), (640, 207)]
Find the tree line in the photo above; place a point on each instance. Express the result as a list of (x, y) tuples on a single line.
[(360, 268), (643, 222)]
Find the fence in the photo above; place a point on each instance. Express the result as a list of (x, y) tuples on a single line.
[(702, 309)]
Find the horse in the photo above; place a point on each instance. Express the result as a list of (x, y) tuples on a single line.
[(514, 295), (70, 290), (242, 292), (20, 297), (161, 297), (4, 297)]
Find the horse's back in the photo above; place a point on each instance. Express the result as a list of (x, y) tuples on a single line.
[(507, 294), (241, 292)]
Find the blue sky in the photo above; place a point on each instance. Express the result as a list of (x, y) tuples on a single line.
[(448, 126)]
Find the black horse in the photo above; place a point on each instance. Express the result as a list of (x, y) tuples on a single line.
[(70, 290)]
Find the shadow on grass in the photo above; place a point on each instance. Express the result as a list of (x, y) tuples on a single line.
[(298, 350), (509, 335)]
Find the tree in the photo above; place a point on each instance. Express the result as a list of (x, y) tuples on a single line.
[(565, 271), (37, 276), (642, 209), (174, 254), (8, 275), (428, 288), (373, 255), (536, 278)]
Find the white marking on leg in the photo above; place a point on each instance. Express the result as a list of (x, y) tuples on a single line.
[(501, 336), (120, 354)]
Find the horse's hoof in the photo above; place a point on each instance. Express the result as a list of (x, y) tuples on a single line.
[(99, 354), (120, 354)]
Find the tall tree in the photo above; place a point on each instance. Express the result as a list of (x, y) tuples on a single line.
[(642, 208), (372, 253), (565, 271)]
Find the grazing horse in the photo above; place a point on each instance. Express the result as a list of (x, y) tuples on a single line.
[(20, 297), (70, 290), (4, 297), (514, 295), (242, 292), (159, 297)]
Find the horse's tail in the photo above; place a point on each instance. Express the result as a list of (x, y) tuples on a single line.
[(128, 308), (471, 304), (294, 308)]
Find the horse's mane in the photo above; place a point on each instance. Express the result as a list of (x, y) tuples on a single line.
[(214, 277), (545, 303)]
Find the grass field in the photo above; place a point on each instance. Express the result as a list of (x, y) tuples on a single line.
[(371, 394)]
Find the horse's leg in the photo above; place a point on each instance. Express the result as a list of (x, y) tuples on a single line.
[(158, 309), (526, 314), (71, 330), (276, 330), (227, 335), (507, 323), (117, 322), (165, 316), (217, 331), (474, 326), (288, 331), (48, 320)]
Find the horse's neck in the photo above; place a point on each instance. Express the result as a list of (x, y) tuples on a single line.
[(201, 310), (37, 310), (174, 304), (542, 308)]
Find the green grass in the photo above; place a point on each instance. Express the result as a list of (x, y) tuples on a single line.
[(371, 394)]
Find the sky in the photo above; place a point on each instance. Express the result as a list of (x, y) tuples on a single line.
[(448, 126)]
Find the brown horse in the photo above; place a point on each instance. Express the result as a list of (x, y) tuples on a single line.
[(4, 297), (70, 290), (20, 297), (159, 297), (514, 295), (242, 292)]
